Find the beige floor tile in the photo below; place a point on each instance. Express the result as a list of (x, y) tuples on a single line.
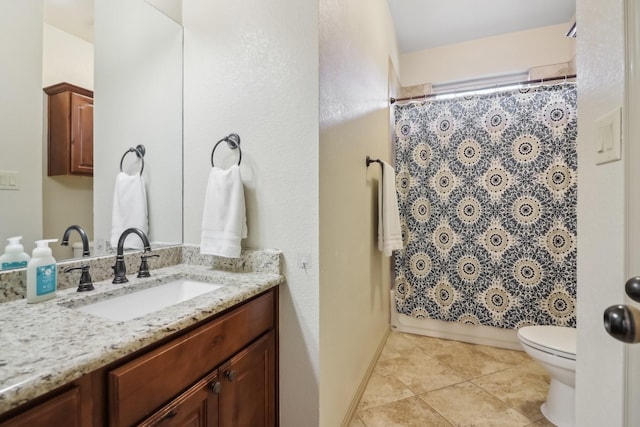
[(419, 372), (356, 422), (411, 412), (542, 423), (468, 405), (468, 360), (382, 389), (504, 355), (440, 346), (523, 387), (397, 345), (433, 346)]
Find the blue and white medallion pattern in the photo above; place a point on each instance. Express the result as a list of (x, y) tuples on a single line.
[(487, 190)]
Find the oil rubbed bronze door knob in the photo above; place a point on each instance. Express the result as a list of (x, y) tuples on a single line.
[(632, 288), (623, 323), (231, 375), (215, 386)]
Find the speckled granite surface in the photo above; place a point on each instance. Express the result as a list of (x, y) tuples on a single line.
[(48, 344), (13, 283)]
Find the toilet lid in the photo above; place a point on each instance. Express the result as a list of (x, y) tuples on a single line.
[(557, 340)]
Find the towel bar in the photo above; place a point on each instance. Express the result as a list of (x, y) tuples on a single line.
[(233, 141), (140, 152), (370, 160)]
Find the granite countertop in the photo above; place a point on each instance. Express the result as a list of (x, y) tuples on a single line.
[(48, 344)]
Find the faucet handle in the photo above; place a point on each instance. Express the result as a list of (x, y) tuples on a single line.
[(143, 271), (86, 283)]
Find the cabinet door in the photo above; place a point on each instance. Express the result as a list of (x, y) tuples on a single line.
[(197, 407), (62, 410), (81, 134), (247, 398)]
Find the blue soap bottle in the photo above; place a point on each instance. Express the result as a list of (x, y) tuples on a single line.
[(42, 279)]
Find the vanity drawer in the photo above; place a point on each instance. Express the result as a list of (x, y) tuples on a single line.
[(141, 386), (62, 410)]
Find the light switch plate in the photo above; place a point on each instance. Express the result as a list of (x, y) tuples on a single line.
[(9, 181), (609, 137)]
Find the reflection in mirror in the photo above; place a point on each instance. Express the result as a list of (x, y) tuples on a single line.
[(138, 97), (140, 72), (171, 8)]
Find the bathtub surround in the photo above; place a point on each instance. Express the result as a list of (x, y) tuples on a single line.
[(487, 191)]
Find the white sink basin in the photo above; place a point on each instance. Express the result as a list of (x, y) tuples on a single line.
[(145, 301)]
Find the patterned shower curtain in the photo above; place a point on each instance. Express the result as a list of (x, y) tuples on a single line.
[(487, 190)]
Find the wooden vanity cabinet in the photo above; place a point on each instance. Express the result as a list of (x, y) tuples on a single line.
[(247, 396), (197, 407), (238, 394), (61, 410), (70, 133), (222, 373)]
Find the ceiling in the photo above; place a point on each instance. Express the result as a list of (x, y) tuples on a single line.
[(73, 16), (425, 24), (419, 24)]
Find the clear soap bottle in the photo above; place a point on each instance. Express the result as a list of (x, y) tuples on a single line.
[(14, 255), (42, 279)]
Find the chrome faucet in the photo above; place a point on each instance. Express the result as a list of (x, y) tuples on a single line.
[(83, 236), (119, 268)]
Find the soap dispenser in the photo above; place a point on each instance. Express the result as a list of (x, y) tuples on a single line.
[(42, 279), (14, 255)]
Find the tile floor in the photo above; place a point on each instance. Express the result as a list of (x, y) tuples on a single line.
[(422, 382)]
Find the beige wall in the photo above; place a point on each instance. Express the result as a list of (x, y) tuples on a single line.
[(66, 200), (66, 58), (514, 52), (251, 67), (601, 205), (356, 41), (21, 119)]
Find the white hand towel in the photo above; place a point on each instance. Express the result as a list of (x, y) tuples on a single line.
[(129, 209), (389, 232), (224, 221)]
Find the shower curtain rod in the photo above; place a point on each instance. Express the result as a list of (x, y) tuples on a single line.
[(496, 86)]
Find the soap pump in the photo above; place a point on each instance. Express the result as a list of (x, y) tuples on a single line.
[(42, 279), (14, 255)]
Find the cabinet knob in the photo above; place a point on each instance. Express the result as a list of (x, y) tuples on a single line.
[(215, 386), (168, 416), (231, 375)]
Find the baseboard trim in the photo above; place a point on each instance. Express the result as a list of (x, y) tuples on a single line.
[(363, 384)]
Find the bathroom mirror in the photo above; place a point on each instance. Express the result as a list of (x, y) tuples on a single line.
[(134, 66)]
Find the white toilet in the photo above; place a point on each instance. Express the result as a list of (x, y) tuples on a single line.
[(555, 348)]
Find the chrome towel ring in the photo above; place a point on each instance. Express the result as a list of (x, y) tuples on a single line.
[(233, 141), (140, 152)]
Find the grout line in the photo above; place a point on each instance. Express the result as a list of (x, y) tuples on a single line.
[(457, 372)]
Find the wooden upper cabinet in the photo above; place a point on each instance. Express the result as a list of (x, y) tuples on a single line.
[(70, 133)]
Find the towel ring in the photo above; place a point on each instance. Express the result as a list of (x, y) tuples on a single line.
[(140, 152), (233, 141)]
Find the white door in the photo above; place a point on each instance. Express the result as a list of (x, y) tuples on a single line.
[(632, 166)]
